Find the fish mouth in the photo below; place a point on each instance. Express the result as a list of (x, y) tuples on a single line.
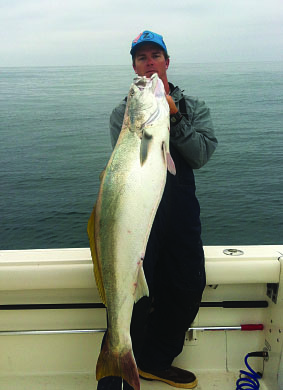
[(141, 82), (154, 83)]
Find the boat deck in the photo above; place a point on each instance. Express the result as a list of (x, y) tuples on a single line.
[(208, 380)]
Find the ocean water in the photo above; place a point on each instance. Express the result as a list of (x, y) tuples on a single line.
[(54, 142)]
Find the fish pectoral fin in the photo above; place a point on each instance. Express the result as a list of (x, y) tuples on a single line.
[(96, 263), (145, 143), (169, 160), (141, 288), (170, 164)]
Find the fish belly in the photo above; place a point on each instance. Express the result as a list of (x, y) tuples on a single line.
[(129, 205)]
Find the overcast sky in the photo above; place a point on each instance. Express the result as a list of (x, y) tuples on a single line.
[(99, 32)]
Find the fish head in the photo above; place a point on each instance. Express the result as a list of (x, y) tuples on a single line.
[(146, 102)]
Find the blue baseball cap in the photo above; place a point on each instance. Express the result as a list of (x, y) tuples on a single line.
[(146, 37)]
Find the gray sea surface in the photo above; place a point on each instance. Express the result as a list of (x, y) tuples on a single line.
[(54, 142)]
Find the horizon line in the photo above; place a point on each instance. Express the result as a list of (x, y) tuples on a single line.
[(130, 65)]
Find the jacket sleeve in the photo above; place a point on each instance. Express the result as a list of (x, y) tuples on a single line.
[(194, 137), (116, 121)]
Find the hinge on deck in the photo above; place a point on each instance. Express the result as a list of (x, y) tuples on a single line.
[(272, 291)]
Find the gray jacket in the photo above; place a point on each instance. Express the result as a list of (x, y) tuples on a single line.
[(193, 137)]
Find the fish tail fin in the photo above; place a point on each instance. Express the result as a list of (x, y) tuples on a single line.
[(117, 364)]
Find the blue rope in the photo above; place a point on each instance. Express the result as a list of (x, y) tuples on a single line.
[(250, 382)]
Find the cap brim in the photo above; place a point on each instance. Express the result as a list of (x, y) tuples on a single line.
[(138, 45)]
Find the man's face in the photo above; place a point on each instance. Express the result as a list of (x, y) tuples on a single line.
[(149, 59)]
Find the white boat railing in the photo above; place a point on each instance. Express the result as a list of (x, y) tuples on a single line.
[(72, 267)]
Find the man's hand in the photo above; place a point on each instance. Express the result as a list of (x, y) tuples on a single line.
[(172, 105)]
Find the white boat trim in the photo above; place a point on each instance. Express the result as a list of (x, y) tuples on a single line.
[(72, 267), (50, 339)]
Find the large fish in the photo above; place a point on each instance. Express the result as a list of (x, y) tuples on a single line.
[(119, 227)]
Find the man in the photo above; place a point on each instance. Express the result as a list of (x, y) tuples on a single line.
[(174, 259)]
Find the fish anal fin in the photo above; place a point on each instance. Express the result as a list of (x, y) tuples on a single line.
[(145, 144), (141, 287), (96, 263), (120, 364)]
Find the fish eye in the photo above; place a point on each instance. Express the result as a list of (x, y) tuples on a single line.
[(132, 92)]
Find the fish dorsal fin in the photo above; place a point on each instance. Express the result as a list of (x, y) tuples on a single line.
[(142, 288), (145, 142), (96, 262)]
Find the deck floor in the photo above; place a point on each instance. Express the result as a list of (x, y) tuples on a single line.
[(209, 380)]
